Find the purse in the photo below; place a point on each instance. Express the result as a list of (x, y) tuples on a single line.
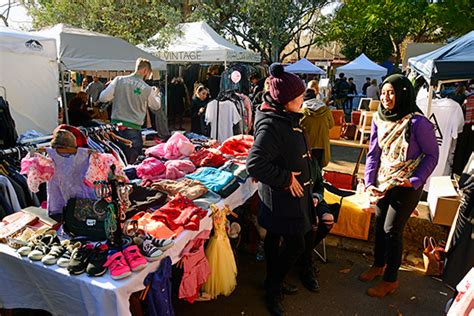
[(433, 257), (81, 219)]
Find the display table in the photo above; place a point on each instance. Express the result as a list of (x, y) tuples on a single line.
[(352, 144), (28, 284)]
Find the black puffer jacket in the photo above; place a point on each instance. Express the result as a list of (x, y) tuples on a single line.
[(280, 148)]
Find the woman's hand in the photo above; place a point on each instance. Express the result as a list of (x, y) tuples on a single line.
[(201, 110), (295, 187), (375, 192), (404, 183)]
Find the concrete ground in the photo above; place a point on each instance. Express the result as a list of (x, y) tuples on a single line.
[(341, 292)]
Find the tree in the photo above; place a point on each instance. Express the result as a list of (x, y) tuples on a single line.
[(266, 26), (134, 21), (378, 28)]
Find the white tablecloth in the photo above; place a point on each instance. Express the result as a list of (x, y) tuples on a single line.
[(28, 284)]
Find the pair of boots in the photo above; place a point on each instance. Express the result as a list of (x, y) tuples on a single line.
[(382, 288)]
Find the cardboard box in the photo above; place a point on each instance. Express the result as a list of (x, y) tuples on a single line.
[(443, 200)]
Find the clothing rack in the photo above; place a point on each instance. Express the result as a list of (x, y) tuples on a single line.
[(106, 127), (15, 150)]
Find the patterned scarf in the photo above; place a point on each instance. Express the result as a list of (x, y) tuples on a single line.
[(393, 139)]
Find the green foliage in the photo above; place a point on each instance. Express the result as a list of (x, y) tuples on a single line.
[(266, 26), (134, 21), (378, 28)]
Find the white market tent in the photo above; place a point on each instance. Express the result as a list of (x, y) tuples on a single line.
[(360, 68), (304, 66), (199, 43), (29, 74), (83, 50)]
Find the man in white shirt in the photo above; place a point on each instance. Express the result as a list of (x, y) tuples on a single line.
[(131, 96)]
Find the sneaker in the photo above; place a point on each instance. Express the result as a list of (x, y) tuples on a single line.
[(150, 251), (43, 247), (63, 260), (162, 244), (97, 260), (55, 253), (80, 259), (134, 258), (33, 240), (118, 266)]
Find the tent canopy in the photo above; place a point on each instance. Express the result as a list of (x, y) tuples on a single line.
[(452, 61), (360, 68), (80, 49), (29, 74), (199, 43), (304, 66)]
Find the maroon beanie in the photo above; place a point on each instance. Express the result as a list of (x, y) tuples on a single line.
[(284, 86)]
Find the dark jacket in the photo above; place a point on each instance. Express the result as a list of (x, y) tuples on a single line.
[(280, 148)]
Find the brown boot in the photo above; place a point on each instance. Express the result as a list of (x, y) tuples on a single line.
[(371, 274), (383, 288)]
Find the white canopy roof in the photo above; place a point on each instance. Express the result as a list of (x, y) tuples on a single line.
[(199, 43), (360, 68), (304, 66), (29, 73), (80, 49)]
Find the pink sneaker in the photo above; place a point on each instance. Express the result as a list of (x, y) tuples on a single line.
[(135, 259), (118, 267)]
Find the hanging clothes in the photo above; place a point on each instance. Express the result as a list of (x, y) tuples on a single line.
[(195, 266), (242, 86), (158, 298), (223, 278), (222, 116)]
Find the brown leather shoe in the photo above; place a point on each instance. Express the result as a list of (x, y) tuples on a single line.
[(383, 288), (371, 274)]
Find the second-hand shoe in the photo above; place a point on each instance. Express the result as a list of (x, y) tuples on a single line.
[(371, 274), (98, 258), (383, 288), (274, 304), (288, 289)]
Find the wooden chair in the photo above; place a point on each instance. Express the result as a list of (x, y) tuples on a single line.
[(365, 124)]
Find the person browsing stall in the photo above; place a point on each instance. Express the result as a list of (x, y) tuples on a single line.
[(279, 159), (403, 152), (131, 96)]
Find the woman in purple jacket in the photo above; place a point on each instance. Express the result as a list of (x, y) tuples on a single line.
[(403, 152)]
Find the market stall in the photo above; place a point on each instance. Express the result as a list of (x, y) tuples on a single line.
[(304, 66), (178, 190)]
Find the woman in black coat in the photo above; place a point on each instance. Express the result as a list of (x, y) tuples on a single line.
[(280, 161)]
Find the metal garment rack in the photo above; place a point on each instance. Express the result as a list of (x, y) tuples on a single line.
[(15, 150)]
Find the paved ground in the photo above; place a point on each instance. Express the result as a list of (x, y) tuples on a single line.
[(341, 293)]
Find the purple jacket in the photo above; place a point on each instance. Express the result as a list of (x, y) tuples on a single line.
[(422, 140)]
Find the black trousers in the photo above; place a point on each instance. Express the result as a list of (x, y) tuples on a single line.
[(392, 213), (281, 254)]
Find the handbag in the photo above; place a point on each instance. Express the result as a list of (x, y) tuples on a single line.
[(433, 257), (82, 219)]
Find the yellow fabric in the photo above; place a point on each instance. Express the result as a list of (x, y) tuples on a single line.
[(353, 222), (316, 125), (223, 277)]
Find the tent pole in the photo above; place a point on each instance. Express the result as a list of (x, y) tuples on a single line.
[(430, 101), (63, 95), (166, 93), (225, 64)]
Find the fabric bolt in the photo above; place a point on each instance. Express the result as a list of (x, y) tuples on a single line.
[(222, 123), (190, 189), (205, 157), (196, 267), (68, 179), (214, 179), (99, 168), (39, 169), (158, 299), (178, 146), (7, 189), (180, 212), (237, 146), (223, 277), (150, 169)]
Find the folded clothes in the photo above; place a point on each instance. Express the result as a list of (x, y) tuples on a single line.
[(180, 212), (191, 189), (150, 169), (207, 199), (237, 146), (207, 158), (176, 169), (237, 169), (177, 147), (214, 179), (143, 198)]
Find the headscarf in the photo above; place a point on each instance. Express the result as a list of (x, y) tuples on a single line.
[(405, 100)]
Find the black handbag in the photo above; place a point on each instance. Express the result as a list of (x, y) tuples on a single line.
[(81, 219)]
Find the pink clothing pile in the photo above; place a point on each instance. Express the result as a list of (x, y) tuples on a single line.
[(39, 169), (196, 267), (99, 167), (177, 147), (153, 169)]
